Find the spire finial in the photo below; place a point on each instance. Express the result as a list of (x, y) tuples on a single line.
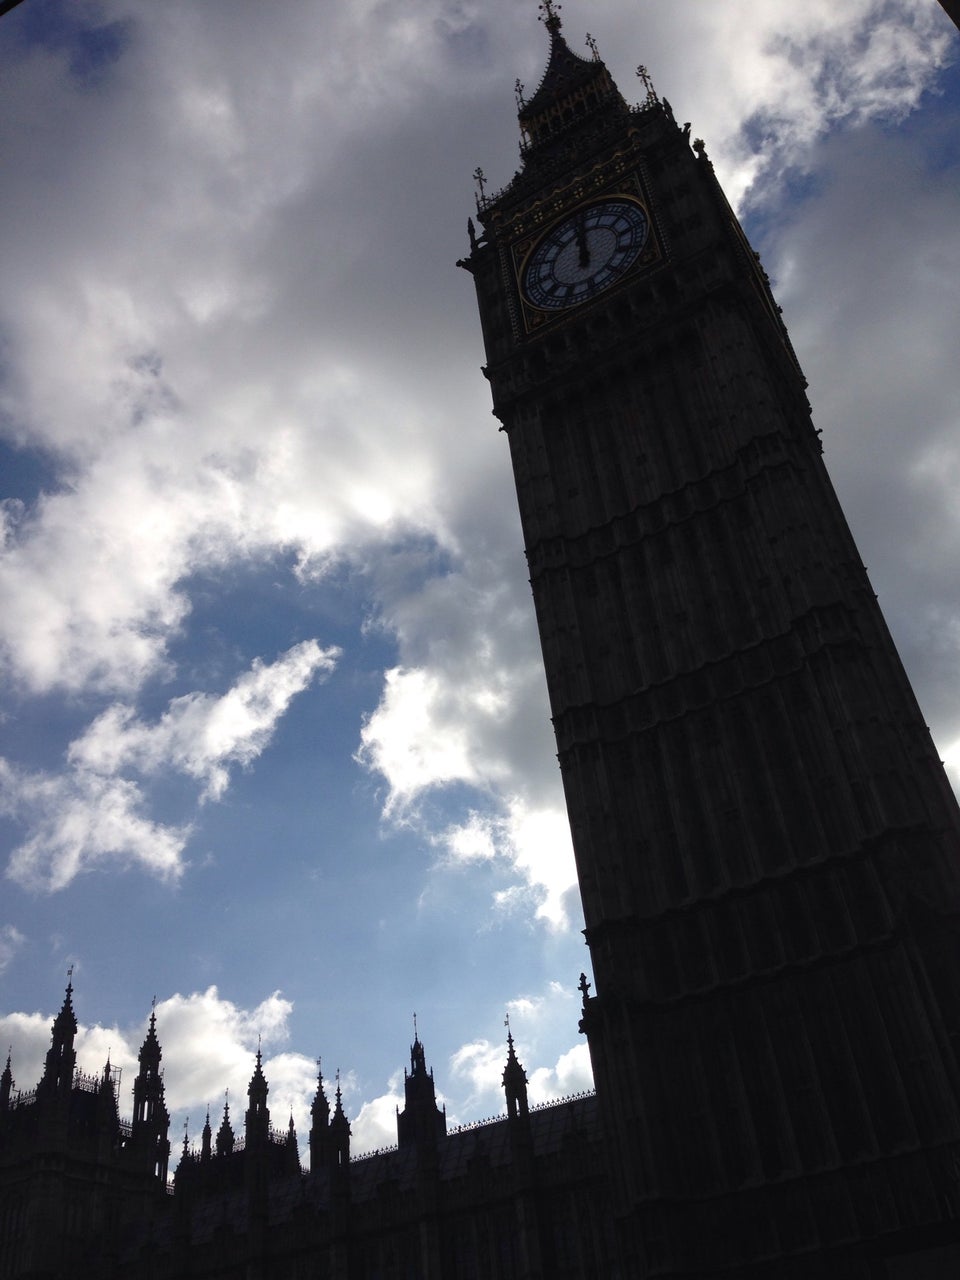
[(647, 82), (506, 1023), (592, 46), (550, 15), (584, 988), (416, 1037), (480, 178)]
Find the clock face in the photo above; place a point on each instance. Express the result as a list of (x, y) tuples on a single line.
[(585, 253)]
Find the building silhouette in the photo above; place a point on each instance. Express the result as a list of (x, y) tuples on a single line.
[(84, 1195), (766, 842)]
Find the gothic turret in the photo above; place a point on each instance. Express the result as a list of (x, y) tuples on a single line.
[(320, 1145), (421, 1122), (151, 1120), (61, 1057), (339, 1133), (515, 1084), (108, 1113), (225, 1138), (258, 1116), (206, 1140), (291, 1149), (6, 1086)]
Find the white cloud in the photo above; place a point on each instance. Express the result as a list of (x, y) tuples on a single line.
[(572, 1073), (208, 1045), (535, 842), (201, 735), (764, 83), (419, 735), (472, 710), (375, 1125), (11, 940), (536, 1020), (89, 817), (81, 821), (885, 389), (480, 1063), (951, 758)]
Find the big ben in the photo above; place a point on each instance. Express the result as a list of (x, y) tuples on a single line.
[(766, 842)]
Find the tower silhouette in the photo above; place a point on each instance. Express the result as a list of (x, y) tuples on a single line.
[(766, 842)]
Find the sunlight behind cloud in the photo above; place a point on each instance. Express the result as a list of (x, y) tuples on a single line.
[(535, 842)]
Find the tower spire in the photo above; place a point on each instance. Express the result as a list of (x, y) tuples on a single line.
[(573, 88), (550, 16), (225, 1138), (258, 1116), (6, 1083), (61, 1057), (320, 1145), (151, 1120), (514, 1080), (339, 1131)]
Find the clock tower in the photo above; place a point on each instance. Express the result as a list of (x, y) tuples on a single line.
[(766, 842)]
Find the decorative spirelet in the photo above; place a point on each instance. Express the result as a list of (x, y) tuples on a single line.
[(550, 15), (480, 178), (647, 82)]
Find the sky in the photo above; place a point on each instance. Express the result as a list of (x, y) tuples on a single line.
[(275, 748)]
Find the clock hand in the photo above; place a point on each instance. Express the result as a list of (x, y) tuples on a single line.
[(582, 242)]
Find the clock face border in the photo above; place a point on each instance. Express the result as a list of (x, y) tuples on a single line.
[(557, 273), (525, 247)]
